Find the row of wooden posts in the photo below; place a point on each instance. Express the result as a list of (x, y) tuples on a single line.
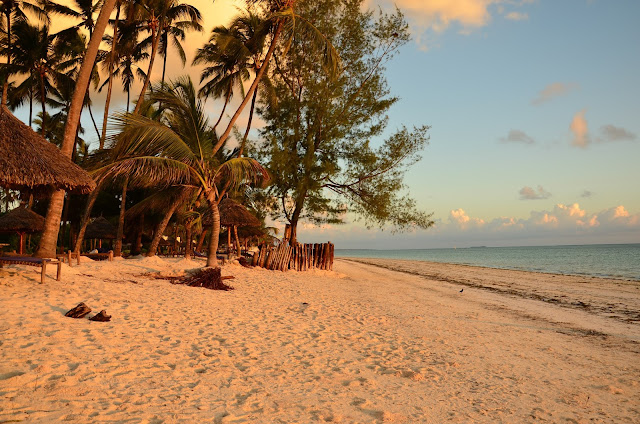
[(300, 257)]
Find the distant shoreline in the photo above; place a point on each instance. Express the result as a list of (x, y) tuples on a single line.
[(616, 261)]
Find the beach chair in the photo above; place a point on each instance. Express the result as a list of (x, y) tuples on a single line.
[(28, 260), (69, 256)]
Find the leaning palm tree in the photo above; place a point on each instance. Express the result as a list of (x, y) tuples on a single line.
[(230, 55), (47, 245), (283, 23), (179, 148)]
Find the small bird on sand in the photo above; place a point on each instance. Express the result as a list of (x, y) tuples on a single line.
[(461, 290)]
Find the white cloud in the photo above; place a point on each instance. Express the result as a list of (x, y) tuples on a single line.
[(563, 224), (580, 130), (528, 193), (552, 91), (461, 220)]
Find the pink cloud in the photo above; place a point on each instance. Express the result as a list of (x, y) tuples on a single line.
[(580, 130)]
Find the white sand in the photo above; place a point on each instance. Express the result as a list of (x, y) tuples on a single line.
[(370, 345)]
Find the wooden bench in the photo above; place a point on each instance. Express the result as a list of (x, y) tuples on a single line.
[(95, 256), (28, 260)]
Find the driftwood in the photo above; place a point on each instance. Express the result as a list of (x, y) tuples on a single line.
[(209, 278), (79, 311), (101, 316)]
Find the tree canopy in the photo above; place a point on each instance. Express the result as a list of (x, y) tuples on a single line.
[(319, 141)]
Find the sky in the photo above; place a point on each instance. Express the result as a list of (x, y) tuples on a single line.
[(534, 108)]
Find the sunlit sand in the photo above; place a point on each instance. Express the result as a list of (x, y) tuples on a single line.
[(360, 344)]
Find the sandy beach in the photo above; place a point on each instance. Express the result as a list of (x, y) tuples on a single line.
[(373, 341)]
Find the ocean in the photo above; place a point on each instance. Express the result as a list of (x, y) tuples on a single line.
[(620, 261)]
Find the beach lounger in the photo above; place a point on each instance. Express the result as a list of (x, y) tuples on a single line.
[(95, 256), (28, 260)]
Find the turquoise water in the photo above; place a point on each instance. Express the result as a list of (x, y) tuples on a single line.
[(598, 260)]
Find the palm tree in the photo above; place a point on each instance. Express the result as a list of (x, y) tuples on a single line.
[(43, 57), (110, 61), (16, 9), (283, 23), (173, 31), (154, 16), (121, 60), (231, 53), (86, 10), (178, 148), (47, 246)]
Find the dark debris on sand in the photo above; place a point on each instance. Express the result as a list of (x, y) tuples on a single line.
[(209, 278)]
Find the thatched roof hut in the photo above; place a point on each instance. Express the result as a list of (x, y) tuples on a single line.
[(100, 228), (232, 214), (29, 162), (21, 220)]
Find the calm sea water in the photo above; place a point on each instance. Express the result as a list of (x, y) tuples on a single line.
[(599, 260)]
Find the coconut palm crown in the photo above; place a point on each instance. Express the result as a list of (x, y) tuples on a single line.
[(179, 148)]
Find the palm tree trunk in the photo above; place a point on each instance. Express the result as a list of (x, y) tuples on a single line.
[(93, 120), (212, 259), (137, 247), (246, 133), (147, 78), (110, 87), (5, 86), (224, 107), (188, 235), (165, 39), (30, 108), (86, 217), (43, 98), (203, 234), (235, 233), (254, 87), (163, 225), (117, 250), (47, 246)]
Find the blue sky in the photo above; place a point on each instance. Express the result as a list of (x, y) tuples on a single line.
[(535, 115), (535, 111)]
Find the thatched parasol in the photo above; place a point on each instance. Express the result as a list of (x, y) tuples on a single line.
[(30, 162), (232, 214), (21, 221), (100, 228)]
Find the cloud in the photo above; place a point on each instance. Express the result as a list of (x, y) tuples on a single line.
[(609, 133), (528, 193), (586, 194), (516, 16), (552, 91), (563, 224), (580, 130), (460, 219), (437, 16), (517, 136)]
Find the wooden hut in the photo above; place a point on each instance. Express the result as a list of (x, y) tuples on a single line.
[(28, 162), (22, 221)]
